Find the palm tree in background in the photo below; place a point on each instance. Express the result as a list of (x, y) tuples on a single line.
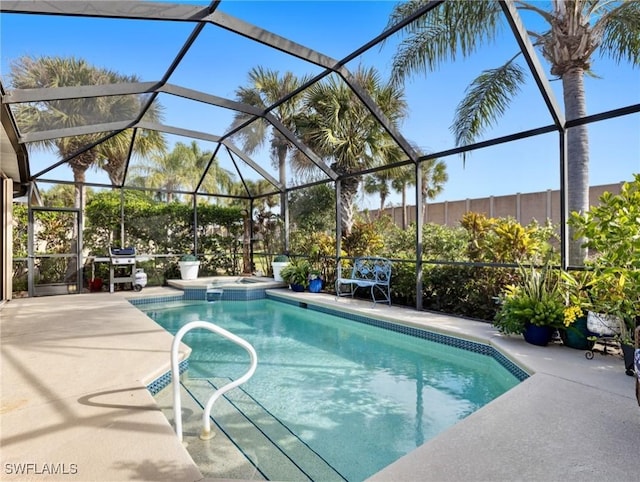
[(114, 152), (379, 183), (256, 189), (217, 179), (434, 176), (260, 214), (265, 87), (180, 170), (576, 30), (31, 73), (339, 127), (403, 177)]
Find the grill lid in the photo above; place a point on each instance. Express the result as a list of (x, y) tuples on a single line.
[(122, 251)]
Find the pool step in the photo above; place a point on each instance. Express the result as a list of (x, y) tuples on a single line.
[(276, 452), (218, 458)]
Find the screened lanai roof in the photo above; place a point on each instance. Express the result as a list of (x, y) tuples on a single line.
[(185, 61)]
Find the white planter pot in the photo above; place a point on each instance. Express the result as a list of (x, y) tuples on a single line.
[(277, 267), (603, 325), (189, 269)]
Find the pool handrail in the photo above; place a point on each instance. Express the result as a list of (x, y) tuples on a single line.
[(175, 374)]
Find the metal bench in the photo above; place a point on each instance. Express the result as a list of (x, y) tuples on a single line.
[(367, 272)]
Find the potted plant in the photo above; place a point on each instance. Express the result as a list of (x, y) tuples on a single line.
[(611, 232), (189, 266), (315, 280), (534, 307), (577, 288), (296, 274), (279, 262)]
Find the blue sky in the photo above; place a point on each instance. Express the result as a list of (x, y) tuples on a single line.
[(218, 63)]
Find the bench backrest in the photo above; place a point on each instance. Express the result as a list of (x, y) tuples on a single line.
[(373, 269)]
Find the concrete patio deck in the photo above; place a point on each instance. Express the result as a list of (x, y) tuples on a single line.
[(74, 370)]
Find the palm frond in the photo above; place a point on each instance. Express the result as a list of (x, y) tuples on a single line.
[(621, 33), (487, 98), (453, 28)]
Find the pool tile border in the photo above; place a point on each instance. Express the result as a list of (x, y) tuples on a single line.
[(453, 341), (228, 294), (155, 299), (164, 380)]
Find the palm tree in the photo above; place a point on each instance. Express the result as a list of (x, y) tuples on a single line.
[(30, 73), (255, 189), (266, 87), (378, 183), (402, 178), (434, 176), (114, 152), (340, 128), (180, 170), (576, 30), (217, 179)]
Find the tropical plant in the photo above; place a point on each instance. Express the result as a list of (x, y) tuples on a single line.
[(433, 174), (536, 299), (364, 239), (114, 152), (576, 286), (575, 32), (297, 272), (505, 240), (340, 128), (612, 232), (402, 178)]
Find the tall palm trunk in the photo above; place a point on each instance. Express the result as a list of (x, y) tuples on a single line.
[(115, 171), (348, 192), (578, 161), (383, 199)]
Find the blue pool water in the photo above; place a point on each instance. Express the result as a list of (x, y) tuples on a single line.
[(358, 395)]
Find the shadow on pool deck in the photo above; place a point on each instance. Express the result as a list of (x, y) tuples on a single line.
[(74, 371)]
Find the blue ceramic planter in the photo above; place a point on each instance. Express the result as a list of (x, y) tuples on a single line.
[(297, 287), (315, 285), (537, 335)]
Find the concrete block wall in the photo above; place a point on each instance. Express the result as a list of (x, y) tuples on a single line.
[(522, 206)]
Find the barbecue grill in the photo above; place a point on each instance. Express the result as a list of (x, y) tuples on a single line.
[(122, 269)]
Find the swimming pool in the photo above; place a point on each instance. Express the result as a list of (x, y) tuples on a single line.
[(359, 396)]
